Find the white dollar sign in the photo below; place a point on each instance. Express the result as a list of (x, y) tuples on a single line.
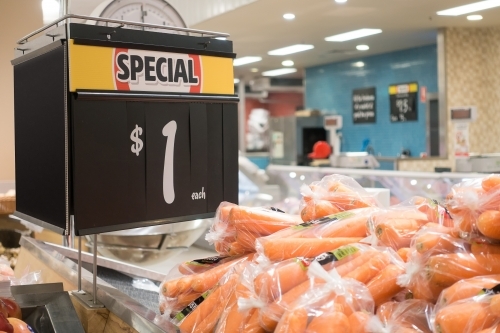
[(138, 144)]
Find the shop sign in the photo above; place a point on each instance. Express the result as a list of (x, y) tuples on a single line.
[(364, 105), (123, 69), (403, 102)]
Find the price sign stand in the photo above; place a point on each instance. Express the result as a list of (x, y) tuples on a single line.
[(120, 128)]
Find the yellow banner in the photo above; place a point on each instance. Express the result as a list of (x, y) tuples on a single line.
[(403, 88), (121, 69)]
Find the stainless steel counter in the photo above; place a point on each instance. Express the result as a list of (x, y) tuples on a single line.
[(131, 311)]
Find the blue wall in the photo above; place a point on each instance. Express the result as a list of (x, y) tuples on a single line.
[(329, 88)]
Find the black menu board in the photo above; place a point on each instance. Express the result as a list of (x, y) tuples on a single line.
[(364, 105), (403, 102)]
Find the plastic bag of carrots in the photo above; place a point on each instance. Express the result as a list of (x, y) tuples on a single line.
[(313, 238), (396, 227), (331, 195), (469, 288), (236, 228), (441, 260), (203, 314), (474, 206), (470, 315), (401, 317), (276, 288), (328, 302), (189, 281)]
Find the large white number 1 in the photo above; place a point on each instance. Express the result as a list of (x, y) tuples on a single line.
[(168, 169)]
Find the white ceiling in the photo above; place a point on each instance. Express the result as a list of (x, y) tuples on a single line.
[(259, 27)]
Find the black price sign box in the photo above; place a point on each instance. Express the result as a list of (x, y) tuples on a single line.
[(403, 102), (364, 105), (121, 137)]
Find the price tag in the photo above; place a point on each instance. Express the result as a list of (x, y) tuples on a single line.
[(403, 102), (139, 163)]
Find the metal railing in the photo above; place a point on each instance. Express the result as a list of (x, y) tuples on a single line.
[(121, 24)]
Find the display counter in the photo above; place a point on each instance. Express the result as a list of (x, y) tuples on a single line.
[(402, 184), (129, 306)]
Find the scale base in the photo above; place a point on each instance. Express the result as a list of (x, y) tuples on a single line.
[(87, 299)]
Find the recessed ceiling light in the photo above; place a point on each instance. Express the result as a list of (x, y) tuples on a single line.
[(281, 71), (340, 1), (236, 81), (221, 38), (358, 64), (245, 60), (254, 70), (353, 35), (362, 47), (288, 16), (287, 63), (474, 17), (291, 49), (470, 8)]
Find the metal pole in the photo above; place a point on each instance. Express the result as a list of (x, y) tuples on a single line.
[(80, 263), (64, 5), (242, 119), (94, 272)]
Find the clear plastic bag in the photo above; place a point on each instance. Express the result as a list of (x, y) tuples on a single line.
[(395, 227), (331, 195), (471, 315), (407, 316), (316, 237), (331, 300), (236, 228), (203, 314), (178, 290), (469, 288), (440, 260), (468, 200)]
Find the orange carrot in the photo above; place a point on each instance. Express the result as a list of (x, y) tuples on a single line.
[(438, 243), (446, 269), (488, 224), (237, 249), (358, 321), (270, 285), (317, 209), (385, 311), (174, 288), (294, 321), (184, 299), (345, 269), (495, 305), (286, 248), (366, 272), (253, 323), (491, 182), (383, 286), (354, 226), (422, 289), (205, 281), (492, 329), (484, 248), (397, 233), (207, 307), (404, 253), (436, 227), (276, 309), (468, 288), (247, 239), (333, 322), (457, 317), (261, 221)]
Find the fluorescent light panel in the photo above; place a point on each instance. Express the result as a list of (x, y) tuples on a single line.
[(353, 35), (291, 49), (281, 71), (245, 60), (470, 8)]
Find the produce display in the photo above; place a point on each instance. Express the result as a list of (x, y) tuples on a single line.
[(345, 264), (11, 318)]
